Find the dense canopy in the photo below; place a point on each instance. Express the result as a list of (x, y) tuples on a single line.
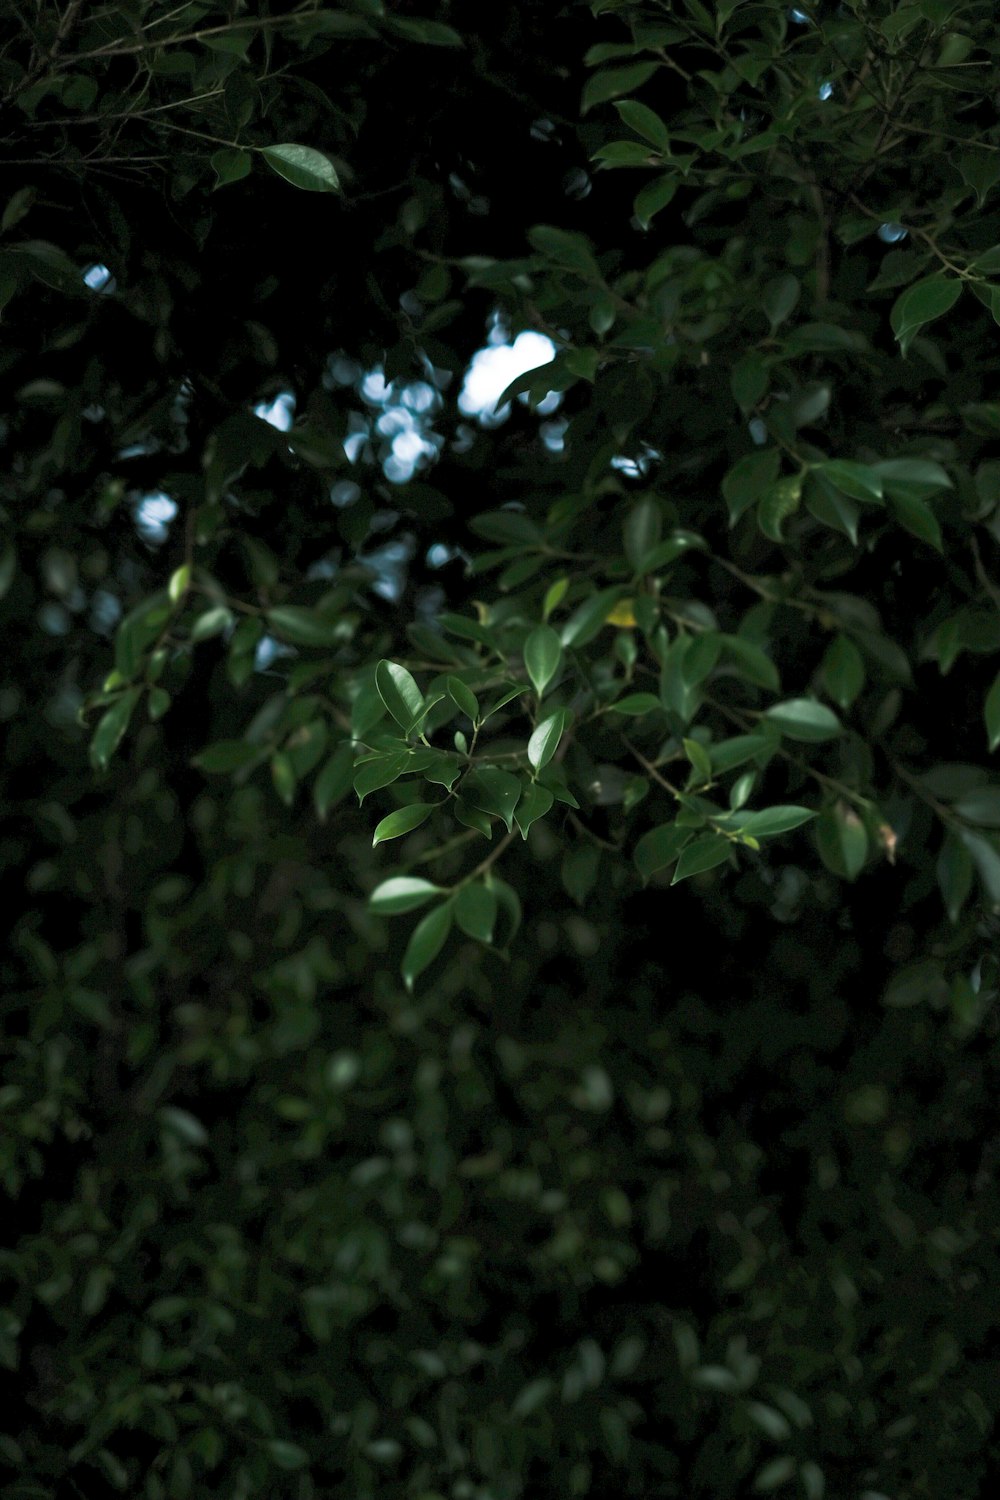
[(498, 548)]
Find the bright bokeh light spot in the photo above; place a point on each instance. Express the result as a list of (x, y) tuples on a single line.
[(492, 369), (153, 516), (891, 234), (99, 278), (280, 412), (799, 17), (757, 431), (344, 493), (826, 90)]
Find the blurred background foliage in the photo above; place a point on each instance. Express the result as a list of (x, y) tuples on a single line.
[(674, 1192)]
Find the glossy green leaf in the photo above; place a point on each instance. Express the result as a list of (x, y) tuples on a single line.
[(659, 848), (860, 481), (402, 893), (402, 821), (535, 801), (400, 694), (645, 122), (614, 82), (542, 656), (111, 727), (654, 197), (805, 719), (303, 166), (920, 304), (426, 941), (493, 791), (381, 771), (701, 855), (588, 617), (472, 817), (774, 820), (635, 704), (545, 739), (463, 698), (476, 911)]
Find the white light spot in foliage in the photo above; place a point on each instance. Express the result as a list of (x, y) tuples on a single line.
[(279, 412), (153, 515), (891, 234), (492, 369), (826, 90), (98, 278)]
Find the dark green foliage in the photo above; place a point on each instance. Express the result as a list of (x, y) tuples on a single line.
[(501, 988)]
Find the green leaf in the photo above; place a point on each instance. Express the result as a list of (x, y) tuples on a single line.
[(779, 298), (729, 754), (476, 911), (981, 805), (920, 304), (212, 623), (493, 791), (842, 841), (588, 617), (402, 893), (701, 761), (542, 655), (992, 713), (303, 167), (534, 803), (226, 756), (805, 719), (284, 778), (842, 671), (918, 518), (986, 858), (912, 478), (774, 820), (777, 504), (704, 854), (463, 698), (399, 693), (426, 941), (302, 627), (954, 873), (472, 817), (860, 481), (111, 727), (334, 781), (659, 848), (287, 1455), (654, 197), (402, 821), (635, 704), (614, 82), (545, 740), (381, 771), (554, 596), (645, 122), (748, 480), (751, 662), (230, 165), (180, 581), (643, 527)]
